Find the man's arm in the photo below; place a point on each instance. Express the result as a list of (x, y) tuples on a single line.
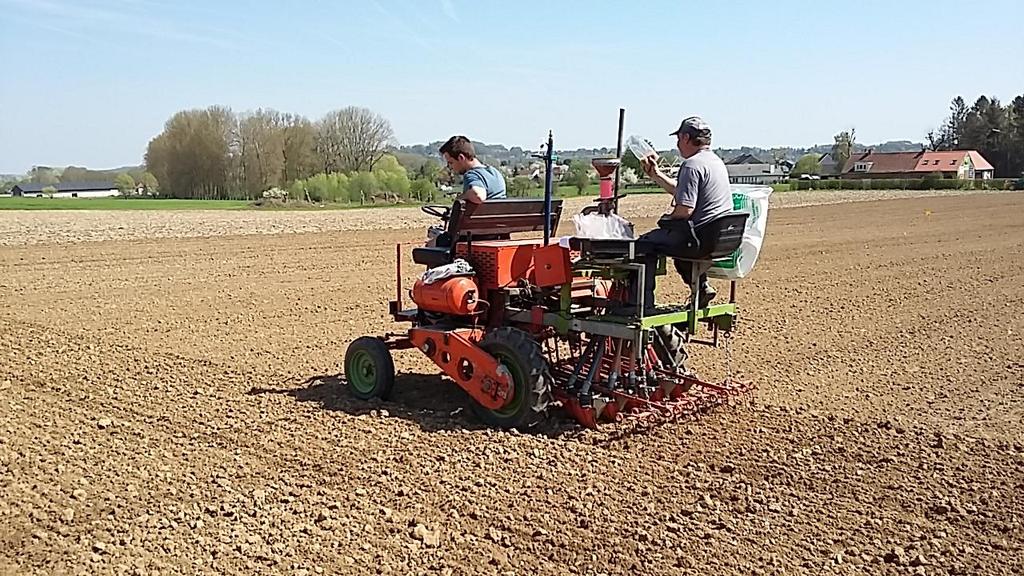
[(474, 194), (473, 189), (685, 194), (680, 212)]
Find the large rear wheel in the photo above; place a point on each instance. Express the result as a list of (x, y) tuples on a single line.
[(521, 356), (369, 368)]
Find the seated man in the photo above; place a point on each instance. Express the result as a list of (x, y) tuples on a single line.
[(700, 195), (479, 181)]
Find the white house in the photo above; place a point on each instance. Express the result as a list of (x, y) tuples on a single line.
[(749, 169)]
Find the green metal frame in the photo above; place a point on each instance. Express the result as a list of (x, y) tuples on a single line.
[(721, 316)]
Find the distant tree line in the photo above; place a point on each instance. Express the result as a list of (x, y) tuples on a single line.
[(995, 130), (217, 153)]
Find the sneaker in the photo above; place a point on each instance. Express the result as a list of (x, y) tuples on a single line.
[(706, 296)]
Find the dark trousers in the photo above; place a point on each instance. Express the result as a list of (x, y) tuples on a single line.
[(674, 240)]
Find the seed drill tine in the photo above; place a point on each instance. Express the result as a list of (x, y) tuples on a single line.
[(618, 348), (579, 364), (595, 367)]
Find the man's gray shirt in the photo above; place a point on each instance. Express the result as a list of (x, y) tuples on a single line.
[(703, 184)]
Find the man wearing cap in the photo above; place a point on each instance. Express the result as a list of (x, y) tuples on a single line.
[(700, 194)]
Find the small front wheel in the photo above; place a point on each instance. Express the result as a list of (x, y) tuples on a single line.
[(369, 368)]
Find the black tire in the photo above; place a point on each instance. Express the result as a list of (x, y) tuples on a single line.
[(369, 368), (522, 356)]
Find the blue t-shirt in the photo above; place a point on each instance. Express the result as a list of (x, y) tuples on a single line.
[(486, 177)]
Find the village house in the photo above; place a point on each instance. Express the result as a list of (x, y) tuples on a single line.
[(954, 164)]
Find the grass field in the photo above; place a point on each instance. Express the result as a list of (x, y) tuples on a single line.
[(11, 203), (19, 203)]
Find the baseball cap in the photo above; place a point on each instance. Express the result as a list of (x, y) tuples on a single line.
[(693, 125)]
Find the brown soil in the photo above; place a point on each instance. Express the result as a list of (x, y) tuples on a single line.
[(171, 406)]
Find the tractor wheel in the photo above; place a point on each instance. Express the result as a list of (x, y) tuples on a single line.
[(521, 356), (369, 369)]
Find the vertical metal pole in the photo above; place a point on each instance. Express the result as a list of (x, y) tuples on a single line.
[(548, 161), (695, 294), (618, 154), (398, 272)]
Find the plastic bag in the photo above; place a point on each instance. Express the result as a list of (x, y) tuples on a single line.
[(641, 148), (601, 227), (457, 268), (754, 201)]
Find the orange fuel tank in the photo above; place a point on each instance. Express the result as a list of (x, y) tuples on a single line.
[(457, 295)]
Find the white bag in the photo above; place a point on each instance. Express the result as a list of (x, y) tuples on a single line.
[(754, 201), (457, 268), (600, 227)]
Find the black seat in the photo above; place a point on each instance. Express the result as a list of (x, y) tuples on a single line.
[(493, 219), (432, 256), (722, 236)]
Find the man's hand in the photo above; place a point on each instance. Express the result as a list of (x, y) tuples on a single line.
[(650, 165)]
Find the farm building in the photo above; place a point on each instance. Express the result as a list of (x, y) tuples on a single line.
[(68, 189), (955, 164)]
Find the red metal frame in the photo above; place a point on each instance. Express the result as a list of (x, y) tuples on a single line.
[(473, 369)]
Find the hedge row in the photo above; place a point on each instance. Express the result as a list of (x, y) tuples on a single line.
[(907, 184)]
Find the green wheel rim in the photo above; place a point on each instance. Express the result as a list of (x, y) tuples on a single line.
[(519, 393), (363, 372)]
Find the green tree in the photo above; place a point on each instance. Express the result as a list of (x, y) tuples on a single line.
[(125, 184), (150, 183), (842, 150), (392, 176), (49, 191), (429, 170), (578, 177), (322, 187), (298, 138), (195, 154), (352, 139), (629, 160), (1014, 138), (362, 187), (44, 175), (520, 186), (259, 151), (628, 176), (807, 164), (423, 190)]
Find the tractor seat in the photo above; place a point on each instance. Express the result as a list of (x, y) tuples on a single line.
[(722, 236), (432, 256)]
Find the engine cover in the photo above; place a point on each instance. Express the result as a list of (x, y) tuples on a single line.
[(457, 296)]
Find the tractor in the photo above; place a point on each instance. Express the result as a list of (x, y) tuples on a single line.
[(524, 322)]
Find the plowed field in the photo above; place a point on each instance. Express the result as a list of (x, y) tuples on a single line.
[(172, 406)]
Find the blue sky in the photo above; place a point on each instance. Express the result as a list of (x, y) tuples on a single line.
[(90, 82)]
